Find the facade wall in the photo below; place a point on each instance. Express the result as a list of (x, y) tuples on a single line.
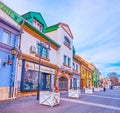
[(27, 40), (64, 50), (64, 72), (8, 41)]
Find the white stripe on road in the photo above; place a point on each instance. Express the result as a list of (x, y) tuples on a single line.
[(92, 104), (103, 96)]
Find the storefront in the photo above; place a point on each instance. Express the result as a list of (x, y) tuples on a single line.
[(29, 79), (75, 81), (8, 52)]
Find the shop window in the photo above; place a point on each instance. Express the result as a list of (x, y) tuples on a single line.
[(45, 81), (75, 83), (30, 80), (66, 41)]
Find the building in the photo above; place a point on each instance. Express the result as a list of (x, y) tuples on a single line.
[(96, 77), (38, 53), (86, 71), (61, 34), (9, 38), (76, 73)]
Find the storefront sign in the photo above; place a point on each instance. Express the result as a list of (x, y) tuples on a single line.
[(35, 67), (29, 65)]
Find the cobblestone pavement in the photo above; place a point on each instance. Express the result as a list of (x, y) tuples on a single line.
[(99, 102)]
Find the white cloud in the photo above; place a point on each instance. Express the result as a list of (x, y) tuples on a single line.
[(95, 25)]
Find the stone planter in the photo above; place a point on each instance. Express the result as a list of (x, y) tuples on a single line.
[(96, 89), (49, 98), (100, 89), (74, 93), (88, 91)]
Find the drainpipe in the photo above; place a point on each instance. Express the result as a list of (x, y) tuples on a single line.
[(13, 78)]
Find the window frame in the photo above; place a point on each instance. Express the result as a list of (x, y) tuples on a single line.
[(9, 34), (77, 67), (37, 25), (67, 41), (65, 59), (69, 61), (44, 55)]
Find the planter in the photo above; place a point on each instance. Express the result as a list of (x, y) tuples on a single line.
[(100, 89), (74, 93), (96, 89), (88, 91), (49, 98)]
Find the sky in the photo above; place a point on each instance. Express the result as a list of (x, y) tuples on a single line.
[(95, 25)]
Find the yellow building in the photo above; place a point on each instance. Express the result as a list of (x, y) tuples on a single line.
[(86, 72)]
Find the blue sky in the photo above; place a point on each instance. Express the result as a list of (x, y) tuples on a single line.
[(95, 25)]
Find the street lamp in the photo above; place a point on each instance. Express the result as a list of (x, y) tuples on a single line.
[(42, 45)]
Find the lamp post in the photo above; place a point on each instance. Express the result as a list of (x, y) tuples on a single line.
[(47, 46)]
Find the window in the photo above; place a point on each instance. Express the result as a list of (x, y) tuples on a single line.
[(42, 50), (65, 59), (73, 65), (67, 41), (75, 83), (45, 53), (69, 61), (76, 67), (30, 80), (37, 25), (6, 37), (45, 81)]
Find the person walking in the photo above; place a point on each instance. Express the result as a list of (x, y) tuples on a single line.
[(104, 89)]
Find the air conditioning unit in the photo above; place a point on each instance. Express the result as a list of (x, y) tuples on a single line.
[(32, 49)]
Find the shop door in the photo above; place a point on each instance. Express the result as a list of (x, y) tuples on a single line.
[(82, 83), (75, 83), (63, 83)]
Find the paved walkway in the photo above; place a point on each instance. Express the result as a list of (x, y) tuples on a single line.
[(99, 102)]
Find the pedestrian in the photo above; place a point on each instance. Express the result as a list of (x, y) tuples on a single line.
[(56, 89), (104, 89)]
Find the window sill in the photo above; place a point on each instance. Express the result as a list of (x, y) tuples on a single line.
[(37, 55), (67, 46), (75, 70), (66, 65)]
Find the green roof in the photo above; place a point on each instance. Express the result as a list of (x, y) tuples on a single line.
[(52, 28), (19, 20), (76, 59), (30, 16)]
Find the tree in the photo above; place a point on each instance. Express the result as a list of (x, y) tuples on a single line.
[(114, 78)]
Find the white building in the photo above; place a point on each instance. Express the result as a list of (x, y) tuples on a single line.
[(61, 34)]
